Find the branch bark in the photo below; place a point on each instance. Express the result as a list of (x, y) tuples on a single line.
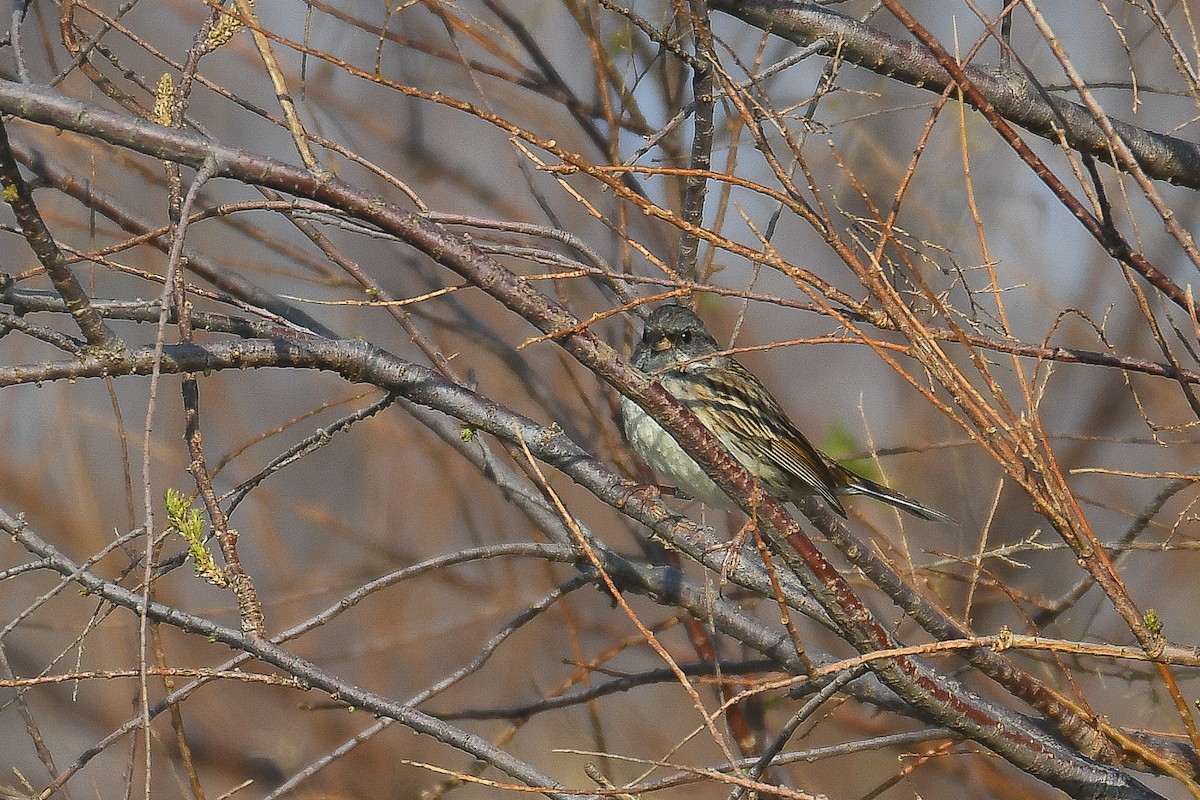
[(1162, 157)]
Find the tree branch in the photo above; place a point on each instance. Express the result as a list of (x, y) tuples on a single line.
[(1161, 157)]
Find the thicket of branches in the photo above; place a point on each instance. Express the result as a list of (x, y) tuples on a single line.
[(954, 241)]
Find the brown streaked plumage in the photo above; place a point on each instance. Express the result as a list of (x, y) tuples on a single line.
[(735, 407)]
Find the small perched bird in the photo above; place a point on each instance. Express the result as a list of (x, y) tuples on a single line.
[(727, 399)]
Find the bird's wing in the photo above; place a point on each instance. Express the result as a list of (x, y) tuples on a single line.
[(768, 437)]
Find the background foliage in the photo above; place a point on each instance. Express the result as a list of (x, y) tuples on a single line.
[(360, 283)]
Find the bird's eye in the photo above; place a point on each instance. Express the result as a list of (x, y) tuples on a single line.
[(685, 337)]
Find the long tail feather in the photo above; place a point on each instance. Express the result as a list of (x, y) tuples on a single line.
[(865, 486)]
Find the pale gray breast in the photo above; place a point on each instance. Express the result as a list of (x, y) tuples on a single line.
[(664, 455)]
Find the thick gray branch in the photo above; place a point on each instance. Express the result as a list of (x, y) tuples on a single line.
[(1161, 157)]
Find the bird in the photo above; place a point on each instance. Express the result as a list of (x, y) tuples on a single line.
[(678, 350)]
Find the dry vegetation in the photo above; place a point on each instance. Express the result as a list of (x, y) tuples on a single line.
[(313, 320)]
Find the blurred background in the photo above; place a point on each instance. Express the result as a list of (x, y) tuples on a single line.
[(435, 107)]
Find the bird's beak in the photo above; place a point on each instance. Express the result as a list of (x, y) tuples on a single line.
[(661, 344)]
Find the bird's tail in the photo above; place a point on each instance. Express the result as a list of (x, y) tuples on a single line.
[(865, 486)]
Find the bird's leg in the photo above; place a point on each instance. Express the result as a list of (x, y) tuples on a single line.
[(657, 491), (735, 545)]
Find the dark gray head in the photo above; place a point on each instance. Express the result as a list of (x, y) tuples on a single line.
[(672, 334)]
